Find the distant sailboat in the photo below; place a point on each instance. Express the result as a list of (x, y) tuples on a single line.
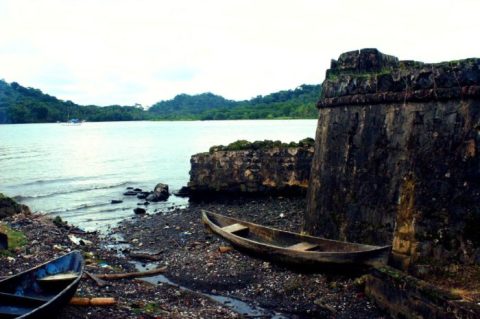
[(73, 121)]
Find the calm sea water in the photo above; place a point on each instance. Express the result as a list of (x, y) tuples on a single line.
[(75, 171)]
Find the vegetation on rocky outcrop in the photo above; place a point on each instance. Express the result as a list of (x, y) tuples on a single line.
[(9, 207), (242, 145)]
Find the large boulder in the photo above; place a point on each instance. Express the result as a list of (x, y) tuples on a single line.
[(9, 207), (160, 193)]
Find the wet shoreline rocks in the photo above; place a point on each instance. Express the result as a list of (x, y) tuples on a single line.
[(159, 193), (45, 240), (201, 261)]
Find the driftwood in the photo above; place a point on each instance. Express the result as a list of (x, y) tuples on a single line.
[(98, 281), (81, 301), (145, 255), (132, 274)]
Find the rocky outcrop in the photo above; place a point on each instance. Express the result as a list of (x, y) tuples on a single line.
[(9, 207), (397, 157), (258, 168)]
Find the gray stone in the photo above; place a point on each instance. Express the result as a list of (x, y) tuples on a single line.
[(160, 193), (139, 211)]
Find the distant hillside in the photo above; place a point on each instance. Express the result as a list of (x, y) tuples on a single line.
[(185, 107), (298, 103), (20, 104)]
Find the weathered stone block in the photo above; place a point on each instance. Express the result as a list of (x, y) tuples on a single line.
[(256, 168), (400, 164)]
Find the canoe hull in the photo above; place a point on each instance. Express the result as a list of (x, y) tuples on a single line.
[(25, 296), (277, 245)]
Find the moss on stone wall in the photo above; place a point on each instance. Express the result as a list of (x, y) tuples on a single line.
[(242, 145)]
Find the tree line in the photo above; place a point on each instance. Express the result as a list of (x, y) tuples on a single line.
[(20, 104)]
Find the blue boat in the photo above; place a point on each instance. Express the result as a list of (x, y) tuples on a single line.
[(40, 292)]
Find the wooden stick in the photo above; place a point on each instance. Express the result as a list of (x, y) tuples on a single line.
[(145, 256), (95, 302), (132, 274), (98, 281)]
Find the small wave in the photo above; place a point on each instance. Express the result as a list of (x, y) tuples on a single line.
[(53, 181), (61, 180), (108, 219), (80, 207), (104, 214), (64, 192), (114, 210), (18, 157)]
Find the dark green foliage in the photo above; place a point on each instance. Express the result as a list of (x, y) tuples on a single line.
[(298, 103), (189, 107), (9, 207), (59, 222), (306, 142), (19, 104), (242, 145)]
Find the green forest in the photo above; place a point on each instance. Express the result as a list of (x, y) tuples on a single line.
[(20, 104)]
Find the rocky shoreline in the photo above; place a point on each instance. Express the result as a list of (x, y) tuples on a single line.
[(200, 260), (211, 279)]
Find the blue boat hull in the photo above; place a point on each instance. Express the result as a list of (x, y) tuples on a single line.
[(25, 296)]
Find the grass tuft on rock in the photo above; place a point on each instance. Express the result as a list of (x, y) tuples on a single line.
[(16, 239)]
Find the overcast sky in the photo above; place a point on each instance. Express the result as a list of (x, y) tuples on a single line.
[(140, 51)]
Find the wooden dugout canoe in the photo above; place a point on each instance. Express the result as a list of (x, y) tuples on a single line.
[(40, 292), (291, 247)]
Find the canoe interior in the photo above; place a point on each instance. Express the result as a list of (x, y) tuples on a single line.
[(284, 239), (22, 294)]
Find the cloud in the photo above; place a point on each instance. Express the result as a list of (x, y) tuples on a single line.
[(129, 51)]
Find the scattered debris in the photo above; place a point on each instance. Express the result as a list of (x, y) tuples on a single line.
[(79, 241), (35, 235), (146, 254), (195, 260), (224, 249)]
